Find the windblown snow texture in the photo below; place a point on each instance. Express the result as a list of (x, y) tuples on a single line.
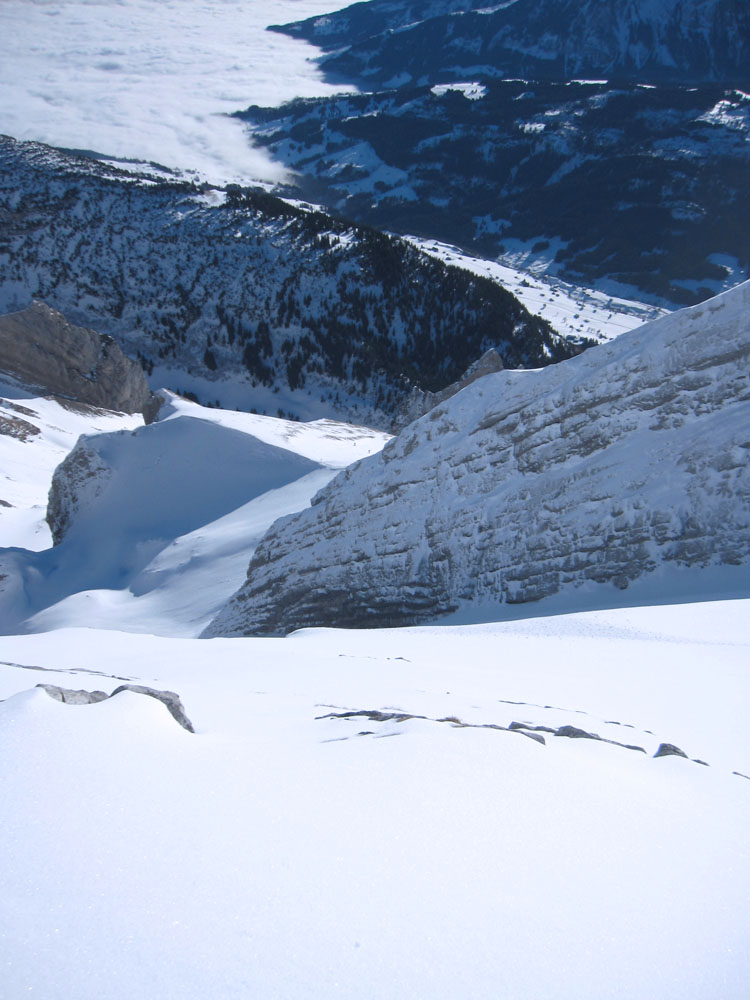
[(601, 470)]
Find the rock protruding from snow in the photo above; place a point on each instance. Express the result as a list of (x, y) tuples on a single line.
[(73, 696), (598, 471), (76, 484), (170, 699), (40, 347)]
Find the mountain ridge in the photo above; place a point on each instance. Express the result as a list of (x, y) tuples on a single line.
[(245, 296)]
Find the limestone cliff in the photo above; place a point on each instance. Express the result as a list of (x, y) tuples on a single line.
[(601, 470), (41, 348)]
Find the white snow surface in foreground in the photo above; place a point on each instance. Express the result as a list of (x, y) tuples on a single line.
[(279, 854), (154, 79)]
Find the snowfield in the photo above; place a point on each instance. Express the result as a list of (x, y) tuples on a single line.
[(160, 521), (450, 812), (287, 851)]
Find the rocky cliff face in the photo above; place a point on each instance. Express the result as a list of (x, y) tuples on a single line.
[(40, 347), (77, 483), (602, 470)]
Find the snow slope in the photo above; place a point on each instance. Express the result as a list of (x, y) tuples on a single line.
[(449, 812), (289, 851), (626, 467), (36, 433), (156, 525)]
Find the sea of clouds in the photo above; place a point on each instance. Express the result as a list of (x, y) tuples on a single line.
[(154, 79)]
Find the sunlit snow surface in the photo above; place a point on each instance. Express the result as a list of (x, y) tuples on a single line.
[(416, 848), (153, 79), (282, 853)]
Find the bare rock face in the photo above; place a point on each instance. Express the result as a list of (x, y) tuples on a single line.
[(611, 467), (77, 482), (40, 347)]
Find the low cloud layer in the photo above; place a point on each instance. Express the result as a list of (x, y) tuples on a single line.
[(153, 79)]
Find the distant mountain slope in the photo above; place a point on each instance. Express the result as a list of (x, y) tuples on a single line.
[(686, 41), (645, 187), (619, 467), (245, 298)]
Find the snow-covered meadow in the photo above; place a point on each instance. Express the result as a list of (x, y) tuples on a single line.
[(572, 310), (356, 814)]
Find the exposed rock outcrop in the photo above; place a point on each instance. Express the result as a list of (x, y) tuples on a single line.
[(41, 348), (77, 482), (598, 471), (670, 750), (170, 699)]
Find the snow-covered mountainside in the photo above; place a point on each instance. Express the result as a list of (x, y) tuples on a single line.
[(554, 808), (154, 525), (572, 310), (533, 795), (622, 466), (684, 41), (242, 298), (36, 434), (625, 186)]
